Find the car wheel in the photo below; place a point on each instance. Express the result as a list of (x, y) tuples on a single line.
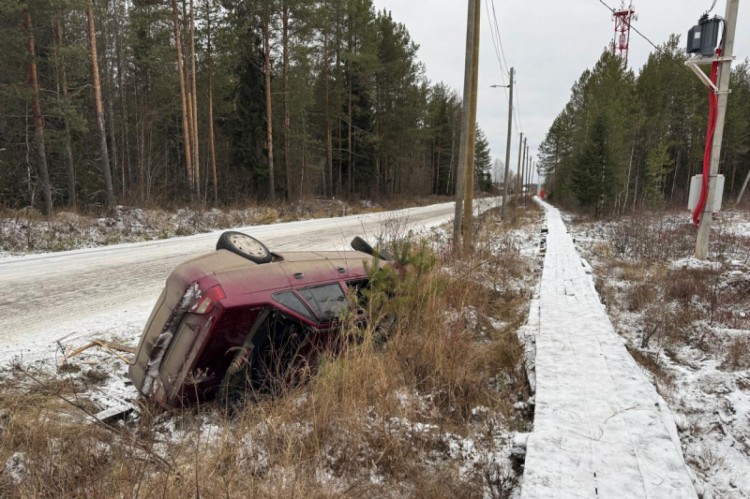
[(245, 246)]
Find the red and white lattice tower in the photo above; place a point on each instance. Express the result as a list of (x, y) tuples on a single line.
[(623, 18)]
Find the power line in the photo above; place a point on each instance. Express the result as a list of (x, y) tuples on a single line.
[(500, 54), (517, 111), (497, 28)]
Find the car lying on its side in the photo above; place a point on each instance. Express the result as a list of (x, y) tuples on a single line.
[(243, 319)]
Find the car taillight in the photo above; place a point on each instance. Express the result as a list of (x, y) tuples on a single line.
[(208, 300)]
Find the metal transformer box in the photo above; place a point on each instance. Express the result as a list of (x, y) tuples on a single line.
[(704, 37)]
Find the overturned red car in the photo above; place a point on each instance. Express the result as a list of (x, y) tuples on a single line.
[(245, 320)]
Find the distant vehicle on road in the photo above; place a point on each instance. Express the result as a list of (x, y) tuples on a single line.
[(245, 320)]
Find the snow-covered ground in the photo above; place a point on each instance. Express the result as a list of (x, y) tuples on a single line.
[(688, 324)]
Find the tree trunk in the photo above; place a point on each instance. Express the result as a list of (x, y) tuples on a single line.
[(211, 138), (304, 155), (266, 28), (269, 103), (110, 94), (339, 127), (110, 198), (125, 128), (285, 92), (350, 166), (744, 187), (63, 79), (329, 132), (38, 121), (183, 95), (196, 144)]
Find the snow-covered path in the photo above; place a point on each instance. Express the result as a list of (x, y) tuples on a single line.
[(109, 291), (600, 428)]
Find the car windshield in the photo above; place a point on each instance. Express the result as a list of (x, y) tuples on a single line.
[(328, 301)]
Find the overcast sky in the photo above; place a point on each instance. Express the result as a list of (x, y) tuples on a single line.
[(550, 43)]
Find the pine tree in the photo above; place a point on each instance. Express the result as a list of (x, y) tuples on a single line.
[(593, 171), (482, 162)]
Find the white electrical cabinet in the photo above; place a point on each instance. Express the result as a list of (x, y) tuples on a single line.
[(715, 191)]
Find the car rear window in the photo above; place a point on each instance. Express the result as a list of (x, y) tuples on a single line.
[(292, 302), (327, 301)]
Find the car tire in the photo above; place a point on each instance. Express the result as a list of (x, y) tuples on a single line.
[(245, 246)]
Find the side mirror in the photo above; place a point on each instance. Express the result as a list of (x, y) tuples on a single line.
[(359, 244)]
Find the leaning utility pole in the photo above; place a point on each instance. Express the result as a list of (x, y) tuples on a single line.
[(507, 146), (466, 148), (704, 231)]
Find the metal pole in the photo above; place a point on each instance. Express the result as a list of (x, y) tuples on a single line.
[(704, 231), (465, 120), (507, 146), (468, 230)]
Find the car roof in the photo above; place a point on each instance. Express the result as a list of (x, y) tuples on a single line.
[(238, 275)]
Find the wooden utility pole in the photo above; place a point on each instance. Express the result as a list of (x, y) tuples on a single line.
[(704, 231), (468, 229), (530, 173), (522, 172), (526, 174), (468, 126), (110, 198), (507, 145), (518, 167)]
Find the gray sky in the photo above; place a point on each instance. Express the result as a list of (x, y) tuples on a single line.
[(550, 43)]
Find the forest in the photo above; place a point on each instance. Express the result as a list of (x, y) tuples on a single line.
[(625, 142), (218, 102)]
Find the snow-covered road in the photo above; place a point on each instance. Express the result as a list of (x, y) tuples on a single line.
[(109, 291), (600, 428)]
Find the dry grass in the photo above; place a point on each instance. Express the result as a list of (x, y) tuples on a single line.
[(381, 418), (674, 306)]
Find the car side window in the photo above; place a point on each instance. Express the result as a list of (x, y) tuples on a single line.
[(292, 302), (328, 301)]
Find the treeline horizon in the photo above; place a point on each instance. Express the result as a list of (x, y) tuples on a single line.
[(625, 142), (218, 102)]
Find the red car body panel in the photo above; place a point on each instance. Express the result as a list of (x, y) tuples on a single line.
[(183, 355)]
